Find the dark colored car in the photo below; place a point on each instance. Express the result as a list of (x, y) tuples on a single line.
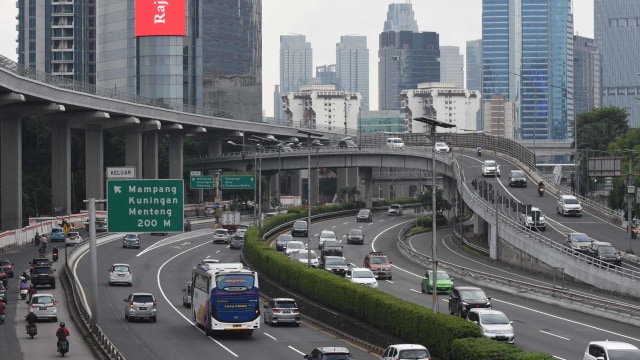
[(364, 215), (329, 353), (335, 264), (331, 248), (604, 252), (282, 240), (300, 228), (7, 265), (131, 241), (463, 298), (355, 236), (43, 275), (517, 178), (39, 261)]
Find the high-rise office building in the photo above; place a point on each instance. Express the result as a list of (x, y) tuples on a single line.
[(617, 30), (326, 74), (586, 74), (352, 60), (529, 59), (216, 66), (296, 68), (405, 59), (451, 66), (58, 37), (400, 17), (474, 73)]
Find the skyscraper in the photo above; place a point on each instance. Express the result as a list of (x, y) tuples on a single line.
[(474, 65), (58, 38), (326, 74), (451, 66), (296, 67), (586, 74), (352, 60), (617, 30), (529, 59), (400, 17), (405, 60)]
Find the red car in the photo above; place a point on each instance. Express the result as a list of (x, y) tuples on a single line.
[(7, 265)]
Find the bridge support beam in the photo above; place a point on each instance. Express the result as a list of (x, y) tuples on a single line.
[(364, 184), (347, 177), (296, 183), (94, 164), (11, 176), (176, 157), (493, 242), (133, 151), (150, 158), (314, 178), (479, 225), (60, 167)]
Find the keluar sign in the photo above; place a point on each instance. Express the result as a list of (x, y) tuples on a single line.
[(160, 17)]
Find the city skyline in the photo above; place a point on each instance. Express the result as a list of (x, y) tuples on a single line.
[(323, 22)]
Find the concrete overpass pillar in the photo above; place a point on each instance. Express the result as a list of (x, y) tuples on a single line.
[(296, 183), (347, 177), (150, 158), (479, 225), (11, 175), (215, 148), (314, 178), (133, 151), (365, 181), (176, 157), (60, 166), (493, 242), (94, 164)]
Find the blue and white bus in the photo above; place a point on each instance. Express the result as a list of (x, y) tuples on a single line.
[(225, 297)]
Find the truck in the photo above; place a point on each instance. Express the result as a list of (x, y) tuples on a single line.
[(230, 220), (532, 217)]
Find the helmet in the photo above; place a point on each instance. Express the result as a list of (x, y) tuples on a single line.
[(31, 311), (62, 324), (22, 278)]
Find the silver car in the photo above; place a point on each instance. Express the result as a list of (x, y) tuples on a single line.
[(73, 238), (44, 306), (186, 297), (281, 310), (120, 274), (221, 235), (140, 306)]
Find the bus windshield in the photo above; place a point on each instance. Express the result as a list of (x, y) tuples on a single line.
[(234, 282)]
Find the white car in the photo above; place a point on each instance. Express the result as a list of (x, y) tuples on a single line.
[(569, 205), (495, 324), (73, 238), (241, 229), (307, 257), (489, 168), (120, 274), (221, 235), (405, 351), (324, 236), (186, 297), (610, 350), (293, 246), (362, 276), (442, 147), (44, 306)]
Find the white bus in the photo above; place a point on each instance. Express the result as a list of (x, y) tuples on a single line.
[(225, 297)]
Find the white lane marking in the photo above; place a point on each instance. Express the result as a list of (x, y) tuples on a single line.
[(174, 239), (173, 306), (269, 335), (416, 291), (540, 312), (296, 350), (555, 335)]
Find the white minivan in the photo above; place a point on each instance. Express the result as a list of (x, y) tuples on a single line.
[(395, 143)]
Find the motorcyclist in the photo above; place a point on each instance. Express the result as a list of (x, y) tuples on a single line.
[(32, 291), (479, 149), (62, 334), (37, 238), (43, 246), (23, 283), (25, 275), (54, 252), (32, 319), (3, 308), (541, 185)]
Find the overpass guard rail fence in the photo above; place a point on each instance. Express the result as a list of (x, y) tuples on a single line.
[(555, 255)]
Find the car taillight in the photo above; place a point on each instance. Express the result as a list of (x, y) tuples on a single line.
[(154, 303), (276, 310), (52, 305), (295, 310)]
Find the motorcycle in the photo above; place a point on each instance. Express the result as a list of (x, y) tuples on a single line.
[(32, 330), (541, 191), (63, 346), (187, 225), (479, 152), (54, 256), (24, 293)]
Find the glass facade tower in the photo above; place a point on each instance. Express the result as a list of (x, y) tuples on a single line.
[(527, 50), (352, 60)]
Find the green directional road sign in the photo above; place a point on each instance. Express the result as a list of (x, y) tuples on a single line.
[(201, 182), (237, 182), (145, 205)]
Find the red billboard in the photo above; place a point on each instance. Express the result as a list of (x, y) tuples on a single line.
[(160, 17)]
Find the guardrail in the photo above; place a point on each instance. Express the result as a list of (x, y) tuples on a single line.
[(85, 315), (615, 310)]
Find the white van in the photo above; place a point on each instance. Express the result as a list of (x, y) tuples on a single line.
[(395, 143)]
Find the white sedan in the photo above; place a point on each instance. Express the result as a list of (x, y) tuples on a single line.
[(489, 168), (221, 235), (442, 147)]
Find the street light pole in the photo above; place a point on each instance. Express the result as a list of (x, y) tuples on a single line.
[(309, 134)]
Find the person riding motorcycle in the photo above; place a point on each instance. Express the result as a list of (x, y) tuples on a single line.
[(37, 238), (43, 247), (54, 253), (479, 149), (32, 291), (23, 283), (3, 308), (25, 275), (540, 188), (32, 319), (62, 334)]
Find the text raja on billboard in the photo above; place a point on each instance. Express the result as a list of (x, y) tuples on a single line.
[(160, 17)]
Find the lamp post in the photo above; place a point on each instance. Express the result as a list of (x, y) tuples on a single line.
[(309, 135), (256, 190), (433, 124)]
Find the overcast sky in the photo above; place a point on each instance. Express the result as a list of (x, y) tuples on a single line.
[(324, 21)]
